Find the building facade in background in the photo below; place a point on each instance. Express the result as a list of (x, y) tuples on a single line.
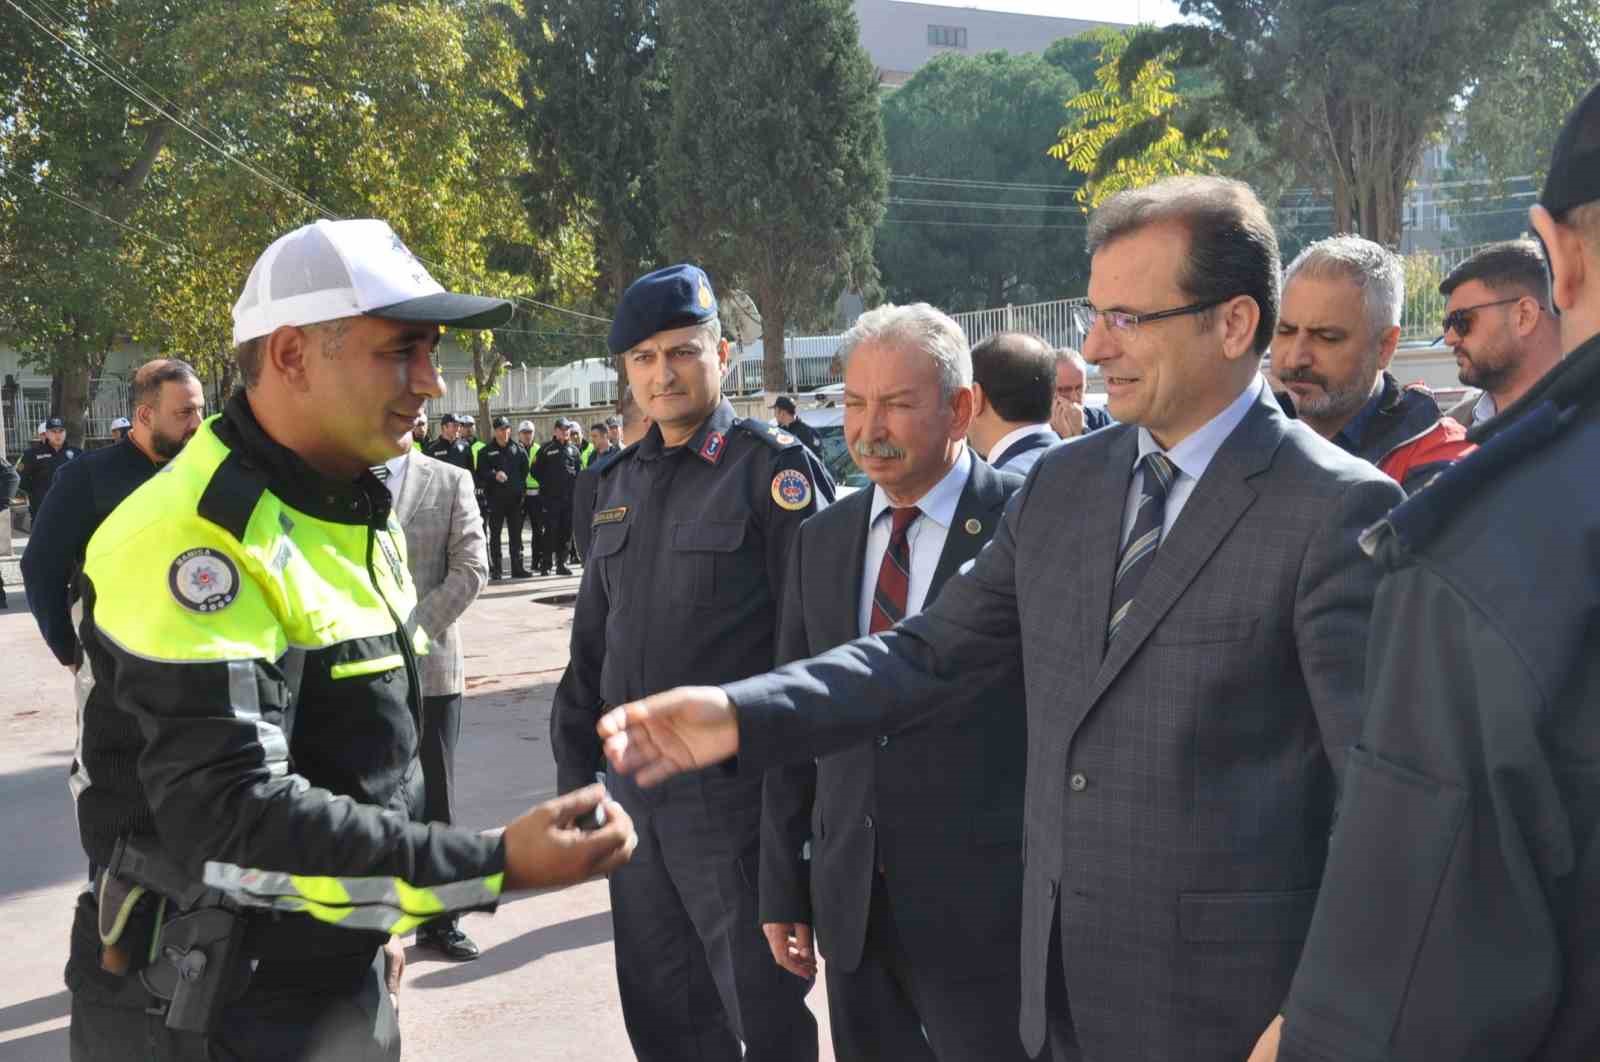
[(901, 36)]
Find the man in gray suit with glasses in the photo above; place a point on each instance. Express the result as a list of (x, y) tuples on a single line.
[(1191, 605)]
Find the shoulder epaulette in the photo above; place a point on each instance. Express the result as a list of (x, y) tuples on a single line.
[(231, 495), (770, 434)]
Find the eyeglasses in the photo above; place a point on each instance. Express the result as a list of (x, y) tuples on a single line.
[(1460, 321), (1085, 316)]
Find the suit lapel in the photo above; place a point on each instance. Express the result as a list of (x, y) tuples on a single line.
[(852, 573), (982, 501), (1218, 501), (415, 487)]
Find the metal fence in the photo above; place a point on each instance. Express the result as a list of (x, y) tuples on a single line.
[(31, 404)]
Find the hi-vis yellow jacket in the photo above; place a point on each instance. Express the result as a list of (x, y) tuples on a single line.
[(250, 695)]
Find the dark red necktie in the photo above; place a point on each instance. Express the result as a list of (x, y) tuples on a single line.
[(894, 574)]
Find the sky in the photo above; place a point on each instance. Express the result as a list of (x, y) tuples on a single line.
[(1160, 12)]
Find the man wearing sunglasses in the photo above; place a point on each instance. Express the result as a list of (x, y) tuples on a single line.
[(1336, 335), (1458, 919), (1498, 322)]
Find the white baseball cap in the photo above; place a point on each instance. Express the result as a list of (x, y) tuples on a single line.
[(333, 269), (121, 422), (526, 425)]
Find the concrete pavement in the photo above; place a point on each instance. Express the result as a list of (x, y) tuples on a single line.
[(544, 988)]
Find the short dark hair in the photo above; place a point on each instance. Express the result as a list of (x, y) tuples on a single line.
[(1017, 371), (1233, 249), (153, 375), (1510, 264), (598, 425)]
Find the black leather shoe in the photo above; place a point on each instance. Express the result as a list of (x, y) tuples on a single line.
[(521, 575), (563, 570), (449, 941)]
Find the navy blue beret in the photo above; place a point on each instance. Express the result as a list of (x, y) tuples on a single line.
[(675, 297)]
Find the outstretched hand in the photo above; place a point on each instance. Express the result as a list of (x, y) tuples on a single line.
[(665, 734), (545, 845)]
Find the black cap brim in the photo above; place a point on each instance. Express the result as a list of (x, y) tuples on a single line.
[(448, 308)]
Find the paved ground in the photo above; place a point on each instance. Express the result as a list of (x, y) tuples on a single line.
[(544, 989)]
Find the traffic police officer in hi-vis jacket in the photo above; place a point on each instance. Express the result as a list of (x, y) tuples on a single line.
[(689, 542), (246, 776)]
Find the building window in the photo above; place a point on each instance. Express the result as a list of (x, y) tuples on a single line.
[(947, 36)]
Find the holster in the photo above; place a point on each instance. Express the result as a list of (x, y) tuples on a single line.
[(185, 941)]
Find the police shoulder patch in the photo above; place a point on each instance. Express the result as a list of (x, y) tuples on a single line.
[(770, 434), (203, 580), (791, 490)]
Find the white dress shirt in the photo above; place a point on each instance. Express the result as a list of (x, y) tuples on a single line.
[(925, 540), (397, 475), (1483, 409), (1023, 462), (1191, 458)]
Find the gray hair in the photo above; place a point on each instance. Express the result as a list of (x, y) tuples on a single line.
[(1376, 270), (1068, 354), (914, 327)]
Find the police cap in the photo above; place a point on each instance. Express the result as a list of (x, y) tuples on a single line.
[(1574, 177), (55, 424), (675, 297), (501, 422), (784, 403)]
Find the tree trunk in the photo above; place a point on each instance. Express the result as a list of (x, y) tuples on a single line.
[(74, 381), (487, 364), (774, 377)]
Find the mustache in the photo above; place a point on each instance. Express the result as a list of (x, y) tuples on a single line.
[(877, 449), (1303, 376)]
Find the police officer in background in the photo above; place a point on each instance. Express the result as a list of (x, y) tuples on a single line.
[(450, 447), (502, 476), (119, 429), (41, 461), (690, 540), (788, 418), (556, 468), (248, 742), (8, 490), (531, 511), (1472, 796)]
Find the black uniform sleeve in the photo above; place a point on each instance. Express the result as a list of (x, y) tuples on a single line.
[(1435, 930), (789, 791), (521, 476), (61, 530), (576, 708), (27, 472)]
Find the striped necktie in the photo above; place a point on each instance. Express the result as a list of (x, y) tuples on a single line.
[(894, 574), (1140, 552)]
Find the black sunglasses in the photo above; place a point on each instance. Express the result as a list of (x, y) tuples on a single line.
[(1460, 321)]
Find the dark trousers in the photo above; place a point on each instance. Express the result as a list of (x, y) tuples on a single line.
[(534, 512), (441, 729), (557, 531), (693, 967), (320, 1018), (887, 1007), (503, 512)]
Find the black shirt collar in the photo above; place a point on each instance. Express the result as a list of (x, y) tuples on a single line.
[(708, 442)]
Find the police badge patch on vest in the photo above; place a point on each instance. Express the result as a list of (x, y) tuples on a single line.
[(791, 490), (203, 580), (610, 516)]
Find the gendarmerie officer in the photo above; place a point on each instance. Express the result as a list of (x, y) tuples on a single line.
[(502, 476), (451, 446), (169, 404), (1458, 916), (248, 744), (691, 533), (42, 460), (556, 468)]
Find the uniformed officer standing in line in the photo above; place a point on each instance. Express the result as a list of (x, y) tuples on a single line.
[(557, 471), (8, 490), (1458, 916), (40, 462), (250, 731), (691, 533), (530, 495), (450, 446), (502, 476)]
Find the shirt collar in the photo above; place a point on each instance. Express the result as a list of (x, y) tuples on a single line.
[(708, 442), (1010, 437), (1484, 408), (1194, 454), (939, 504)]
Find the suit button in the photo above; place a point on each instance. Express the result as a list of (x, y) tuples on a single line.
[(883, 741), (868, 822), (1078, 782)]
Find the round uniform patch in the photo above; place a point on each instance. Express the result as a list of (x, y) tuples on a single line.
[(791, 490), (203, 580)]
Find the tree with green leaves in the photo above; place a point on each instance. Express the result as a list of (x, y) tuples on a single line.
[(1127, 134), (593, 101), (1352, 91), (773, 174), (979, 215)]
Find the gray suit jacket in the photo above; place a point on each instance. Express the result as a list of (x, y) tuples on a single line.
[(1180, 785), (444, 550)]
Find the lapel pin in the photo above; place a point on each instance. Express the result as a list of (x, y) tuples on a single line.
[(974, 526)]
